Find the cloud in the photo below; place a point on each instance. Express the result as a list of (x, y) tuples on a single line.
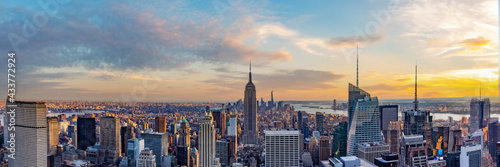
[(479, 41), (452, 28), (353, 41), (403, 79), (135, 36), (387, 87), (297, 79)]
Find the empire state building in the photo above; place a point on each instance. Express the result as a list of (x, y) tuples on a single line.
[(250, 131)]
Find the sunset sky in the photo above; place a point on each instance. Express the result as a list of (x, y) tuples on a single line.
[(200, 50)]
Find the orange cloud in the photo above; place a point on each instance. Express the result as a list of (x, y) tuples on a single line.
[(479, 41)]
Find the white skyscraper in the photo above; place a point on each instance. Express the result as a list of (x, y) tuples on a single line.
[(282, 148), (232, 130), (206, 141), (470, 155), (134, 148), (30, 133)]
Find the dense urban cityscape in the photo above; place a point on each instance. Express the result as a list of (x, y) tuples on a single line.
[(248, 132), (249, 83)]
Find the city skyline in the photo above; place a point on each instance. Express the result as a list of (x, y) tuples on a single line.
[(199, 51)]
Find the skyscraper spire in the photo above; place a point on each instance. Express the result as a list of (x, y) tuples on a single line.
[(480, 86), (250, 73), (357, 60), (416, 102)]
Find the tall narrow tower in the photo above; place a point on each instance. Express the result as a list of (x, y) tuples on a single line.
[(357, 65), (250, 131), (416, 101), (272, 99)]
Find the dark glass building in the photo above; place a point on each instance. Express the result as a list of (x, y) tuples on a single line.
[(388, 113), (85, 132), (339, 145)]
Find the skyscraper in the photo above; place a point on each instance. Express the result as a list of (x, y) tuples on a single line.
[(320, 117), (183, 155), (388, 113), (222, 152), (158, 143), (160, 125), (232, 129), (220, 122), (305, 126), (250, 131), (282, 148), (134, 148), (53, 130), (86, 130), (339, 145), (324, 148), (479, 114), (413, 152), (185, 134), (470, 155), (30, 133), (110, 143), (493, 137), (272, 100), (127, 132), (364, 119), (206, 141), (416, 122)]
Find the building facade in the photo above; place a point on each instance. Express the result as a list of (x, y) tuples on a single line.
[(109, 140), (157, 143), (282, 148), (53, 130), (86, 132), (160, 124), (30, 133)]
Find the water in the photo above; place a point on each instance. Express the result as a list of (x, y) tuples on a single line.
[(68, 114)]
